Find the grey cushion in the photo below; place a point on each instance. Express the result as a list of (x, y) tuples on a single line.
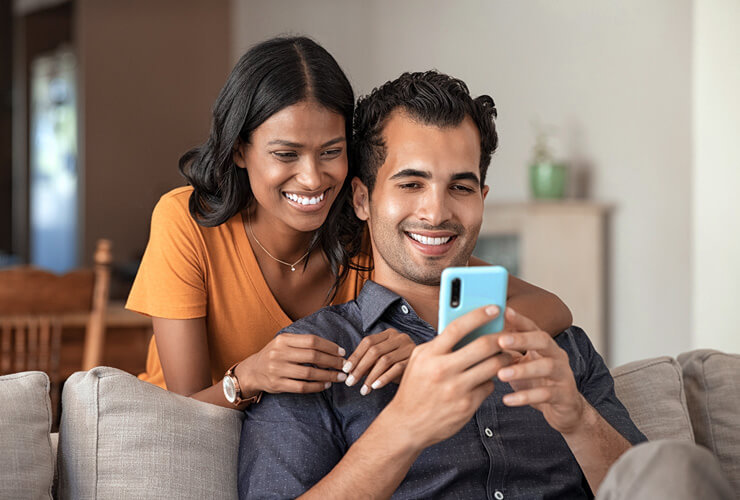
[(712, 381), (652, 391), (124, 438), (26, 461)]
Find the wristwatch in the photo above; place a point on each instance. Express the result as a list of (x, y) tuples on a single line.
[(233, 391)]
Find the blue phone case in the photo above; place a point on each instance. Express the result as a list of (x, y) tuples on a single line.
[(479, 286)]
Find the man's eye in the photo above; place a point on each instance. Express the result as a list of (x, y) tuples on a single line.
[(409, 185), (332, 153), (285, 155), (463, 188)]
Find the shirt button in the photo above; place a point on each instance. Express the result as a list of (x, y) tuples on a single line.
[(498, 495), (404, 309), (489, 433)]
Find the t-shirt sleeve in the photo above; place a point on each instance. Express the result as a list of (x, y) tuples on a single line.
[(596, 383), (289, 442), (171, 279)]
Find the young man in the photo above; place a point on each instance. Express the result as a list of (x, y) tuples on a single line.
[(549, 426)]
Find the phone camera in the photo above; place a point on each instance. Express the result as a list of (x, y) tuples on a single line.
[(455, 295)]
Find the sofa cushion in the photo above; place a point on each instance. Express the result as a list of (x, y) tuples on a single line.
[(652, 391), (712, 381), (26, 460), (124, 438)]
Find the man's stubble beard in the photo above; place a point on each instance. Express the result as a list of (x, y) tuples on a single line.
[(392, 251)]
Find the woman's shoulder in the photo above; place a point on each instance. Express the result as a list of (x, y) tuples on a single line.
[(175, 202)]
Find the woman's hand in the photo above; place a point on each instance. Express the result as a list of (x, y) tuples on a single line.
[(281, 365), (382, 357)]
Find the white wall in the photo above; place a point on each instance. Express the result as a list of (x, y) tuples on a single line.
[(716, 174), (615, 77)]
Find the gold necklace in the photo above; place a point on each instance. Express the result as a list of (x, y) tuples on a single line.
[(291, 266)]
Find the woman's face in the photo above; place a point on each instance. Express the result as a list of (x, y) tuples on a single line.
[(296, 162)]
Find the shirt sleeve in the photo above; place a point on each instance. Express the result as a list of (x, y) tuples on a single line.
[(171, 279), (596, 383), (288, 443)]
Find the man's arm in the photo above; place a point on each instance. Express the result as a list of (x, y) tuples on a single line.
[(543, 379), (545, 308), (439, 393)]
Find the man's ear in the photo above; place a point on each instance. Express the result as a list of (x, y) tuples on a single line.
[(485, 192), (360, 199), (238, 154)]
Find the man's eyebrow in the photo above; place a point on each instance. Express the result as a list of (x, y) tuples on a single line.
[(465, 176), (289, 144), (411, 172)]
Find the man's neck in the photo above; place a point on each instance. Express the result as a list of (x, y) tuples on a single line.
[(424, 299)]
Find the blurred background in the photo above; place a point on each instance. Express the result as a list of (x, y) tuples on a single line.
[(615, 185)]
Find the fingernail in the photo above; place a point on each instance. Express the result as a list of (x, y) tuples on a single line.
[(327, 385), (364, 390), (506, 340), (506, 372), (492, 310), (341, 377), (347, 366), (375, 384), (350, 381), (342, 352)]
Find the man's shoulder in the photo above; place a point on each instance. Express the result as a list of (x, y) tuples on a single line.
[(333, 323)]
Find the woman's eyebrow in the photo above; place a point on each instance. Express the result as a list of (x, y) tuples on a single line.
[(290, 144)]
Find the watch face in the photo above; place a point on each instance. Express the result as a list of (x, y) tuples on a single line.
[(229, 389)]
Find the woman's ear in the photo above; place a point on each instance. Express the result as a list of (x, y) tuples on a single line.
[(238, 154), (360, 199)]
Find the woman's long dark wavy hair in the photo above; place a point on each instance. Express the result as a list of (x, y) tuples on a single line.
[(271, 76)]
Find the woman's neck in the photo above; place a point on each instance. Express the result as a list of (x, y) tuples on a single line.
[(274, 237)]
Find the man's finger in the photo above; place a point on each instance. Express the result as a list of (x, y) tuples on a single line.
[(540, 368), (485, 370), (529, 397), (463, 325), (536, 340), (519, 322)]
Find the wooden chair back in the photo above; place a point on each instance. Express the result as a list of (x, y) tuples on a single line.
[(32, 305)]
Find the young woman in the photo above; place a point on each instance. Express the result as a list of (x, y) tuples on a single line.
[(253, 243)]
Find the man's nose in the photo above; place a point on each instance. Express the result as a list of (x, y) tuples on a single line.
[(309, 174), (434, 207)]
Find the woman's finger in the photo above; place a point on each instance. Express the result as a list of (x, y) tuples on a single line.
[(362, 348), (310, 373), (387, 368), (372, 355), (309, 341), (299, 386), (309, 356)]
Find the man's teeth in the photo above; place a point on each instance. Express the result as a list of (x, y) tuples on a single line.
[(430, 241), (304, 200)]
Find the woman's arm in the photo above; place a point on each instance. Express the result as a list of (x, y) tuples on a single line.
[(279, 367), (544, 308)]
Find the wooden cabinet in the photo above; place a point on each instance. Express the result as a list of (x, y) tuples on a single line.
[(559, 246)]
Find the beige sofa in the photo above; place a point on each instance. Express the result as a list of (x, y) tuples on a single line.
[(123, 438)]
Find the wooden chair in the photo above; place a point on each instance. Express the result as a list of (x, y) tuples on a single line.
[(32, 305)]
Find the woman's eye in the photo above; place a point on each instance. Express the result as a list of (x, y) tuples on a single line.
[(285, 155), (332, 153)]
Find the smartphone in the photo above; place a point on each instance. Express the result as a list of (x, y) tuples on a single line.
[(463, 289)]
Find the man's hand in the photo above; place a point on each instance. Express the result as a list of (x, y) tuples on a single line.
[(441, 389), (382, 357), (542, 377)]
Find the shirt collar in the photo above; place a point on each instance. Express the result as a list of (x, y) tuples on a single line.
[(373, 301)]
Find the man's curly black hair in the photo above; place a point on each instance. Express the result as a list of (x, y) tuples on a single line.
[(430, 97)]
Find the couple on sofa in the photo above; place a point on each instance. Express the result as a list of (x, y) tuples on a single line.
[(549, 425)]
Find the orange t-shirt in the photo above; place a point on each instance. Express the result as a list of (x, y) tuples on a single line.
[(190, 271)]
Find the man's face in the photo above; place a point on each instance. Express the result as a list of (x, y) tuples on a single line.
[(426, 208)]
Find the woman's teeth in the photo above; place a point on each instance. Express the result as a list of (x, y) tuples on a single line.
[(304, 200), (430, 241)]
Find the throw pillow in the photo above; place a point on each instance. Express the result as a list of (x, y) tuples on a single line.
[(712, 381), (652, 391), (26, 461), (124, 438)]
